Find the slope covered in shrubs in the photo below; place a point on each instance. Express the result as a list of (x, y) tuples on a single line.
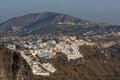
[(97, 64)]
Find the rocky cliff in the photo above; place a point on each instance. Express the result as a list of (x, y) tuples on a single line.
[(13, 66)]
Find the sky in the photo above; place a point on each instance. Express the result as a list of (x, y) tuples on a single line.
[(93, 10)]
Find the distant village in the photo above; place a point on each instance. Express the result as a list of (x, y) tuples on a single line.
[(33, 49)]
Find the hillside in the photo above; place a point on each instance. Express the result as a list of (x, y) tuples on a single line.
[(66, 58), (95, 66)]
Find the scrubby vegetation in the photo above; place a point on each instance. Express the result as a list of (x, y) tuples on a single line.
[(96, 65)]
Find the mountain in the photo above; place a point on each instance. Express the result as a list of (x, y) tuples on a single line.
[(41, 20), (50, 23), (13, 66)]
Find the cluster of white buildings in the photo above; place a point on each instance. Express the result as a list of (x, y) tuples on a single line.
[(33, 51), (68, 46), (38, 68)]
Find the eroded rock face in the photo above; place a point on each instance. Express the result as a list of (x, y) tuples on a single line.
[(13, 66)]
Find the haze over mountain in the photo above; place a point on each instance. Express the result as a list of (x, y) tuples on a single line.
[(98, 11), (42, 19), (37, 20)]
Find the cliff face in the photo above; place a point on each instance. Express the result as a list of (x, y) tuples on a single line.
[(13, 66)]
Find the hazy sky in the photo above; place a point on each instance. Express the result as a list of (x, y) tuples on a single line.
[(93, 10)]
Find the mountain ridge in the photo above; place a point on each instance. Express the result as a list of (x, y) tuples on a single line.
[(42, 19)]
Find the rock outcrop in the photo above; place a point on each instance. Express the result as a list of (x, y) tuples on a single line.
[(13, 66)]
